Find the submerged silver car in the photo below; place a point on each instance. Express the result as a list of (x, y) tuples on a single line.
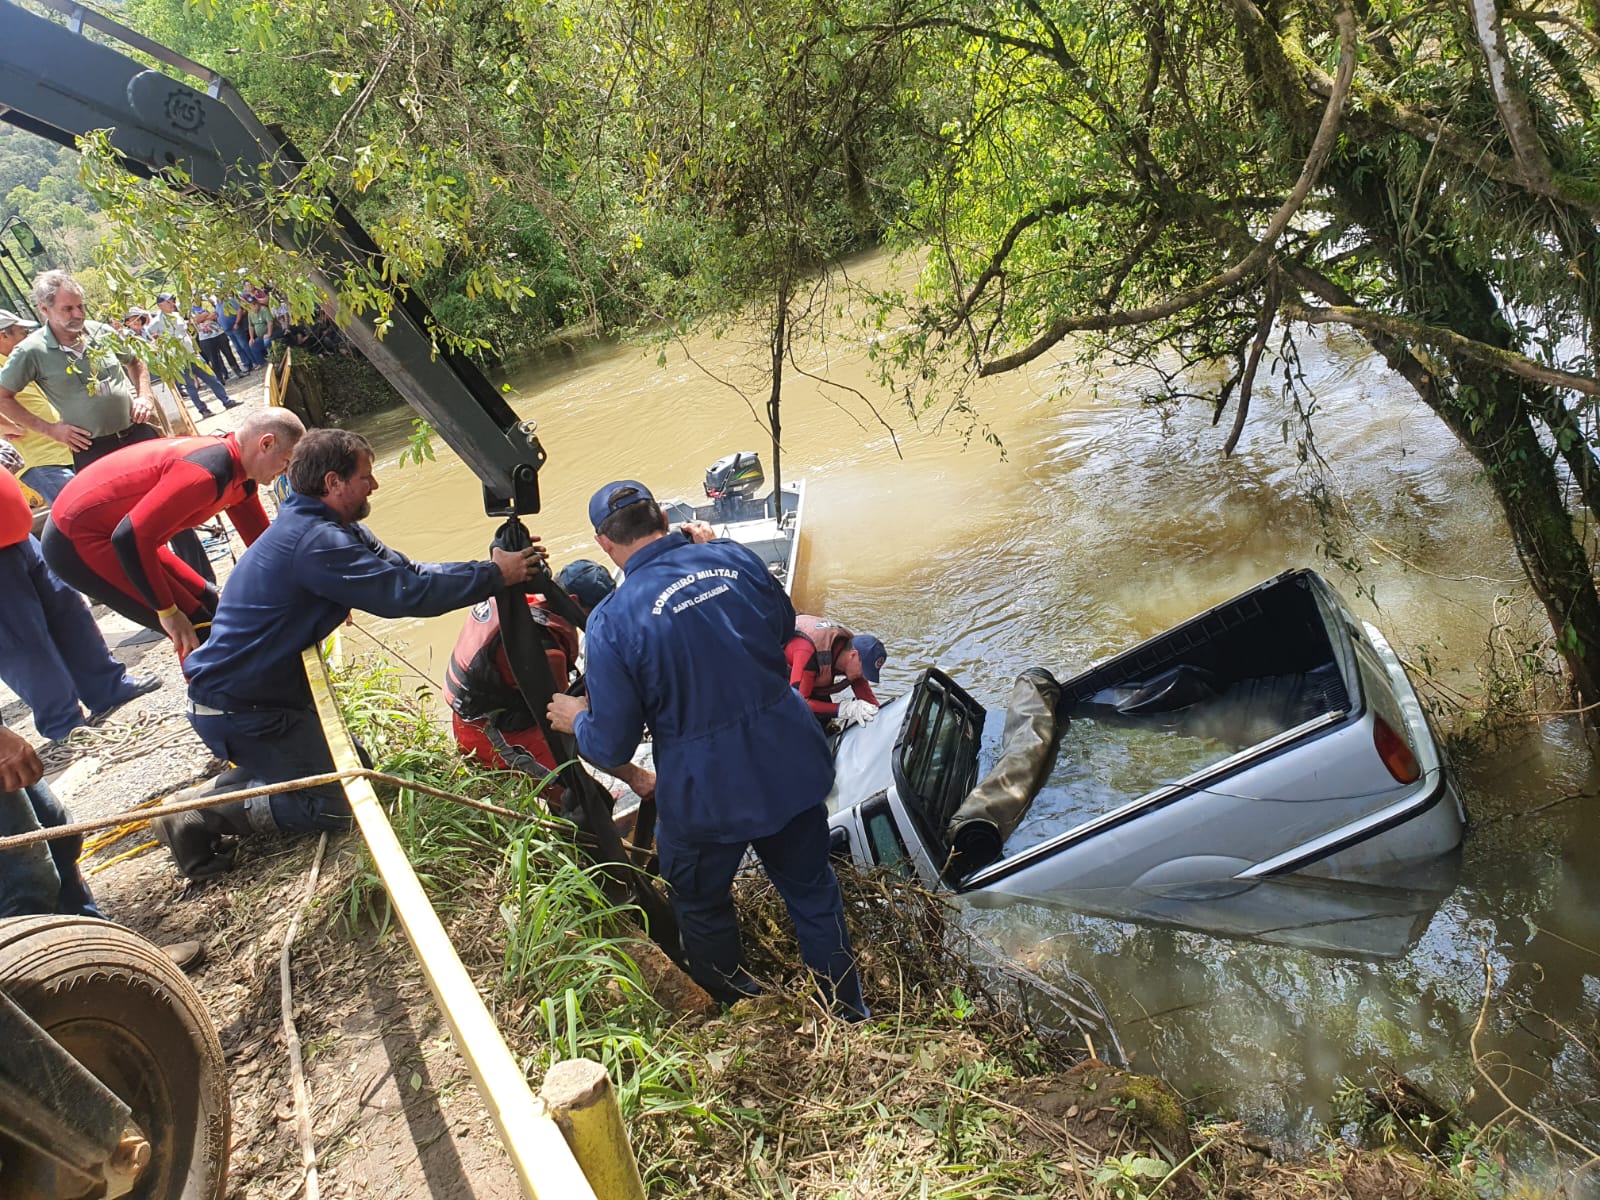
[(1264, 768)]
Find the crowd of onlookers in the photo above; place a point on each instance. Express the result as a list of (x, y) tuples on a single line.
[(231, 334)]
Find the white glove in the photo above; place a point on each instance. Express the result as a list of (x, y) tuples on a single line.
[(856, 712)]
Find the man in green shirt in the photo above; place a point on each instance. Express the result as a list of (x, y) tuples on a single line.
[(259, 318), (80, 369), (49, 462)]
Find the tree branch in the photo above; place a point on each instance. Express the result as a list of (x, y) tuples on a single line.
[(1570, 443), (1375, 112), (1396, 352), (1508, 99), (1444, 339), (1022, 224), (1247, 380), (1321, 146), (1569, 72), (1561, 19), (363, 98)]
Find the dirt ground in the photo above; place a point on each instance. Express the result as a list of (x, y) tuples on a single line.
[(395, 1112)]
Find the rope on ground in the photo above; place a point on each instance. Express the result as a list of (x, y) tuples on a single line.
[(111, 837), (291, 1035), (120, 741), (123, 857), (34, 836)]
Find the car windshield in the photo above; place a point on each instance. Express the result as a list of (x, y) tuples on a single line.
[(934, 731)]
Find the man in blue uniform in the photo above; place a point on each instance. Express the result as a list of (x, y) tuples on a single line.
[(691, 645), (298, 581)]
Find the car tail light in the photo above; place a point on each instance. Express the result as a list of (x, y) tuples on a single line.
[(1396, 755)]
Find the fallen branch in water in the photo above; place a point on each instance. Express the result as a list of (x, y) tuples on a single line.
[(1551, 1133)]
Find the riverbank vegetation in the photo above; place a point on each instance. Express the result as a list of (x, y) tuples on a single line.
[(949, 1091), (1192, 187)]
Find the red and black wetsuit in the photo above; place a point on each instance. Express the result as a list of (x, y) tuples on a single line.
[(109, 527), (482, 690), (816, 685)]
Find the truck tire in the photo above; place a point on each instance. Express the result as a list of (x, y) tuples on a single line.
[(119, 1006)]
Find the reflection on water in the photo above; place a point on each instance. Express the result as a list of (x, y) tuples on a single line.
[(1104, 524), (1102, 766)]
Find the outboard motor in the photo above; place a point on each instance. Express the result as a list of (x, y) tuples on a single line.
[(732, 482)]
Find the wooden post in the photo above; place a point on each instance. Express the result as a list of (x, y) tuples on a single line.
[(580, 1097)]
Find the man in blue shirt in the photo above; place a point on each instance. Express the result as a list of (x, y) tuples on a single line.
[(249, 699), (691, 644)]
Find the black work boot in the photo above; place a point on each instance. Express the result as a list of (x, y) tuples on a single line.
[(229, 818), (204, 841), (240, 818), (201, 851)]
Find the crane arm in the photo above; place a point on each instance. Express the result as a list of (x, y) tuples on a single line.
[(57, 82)]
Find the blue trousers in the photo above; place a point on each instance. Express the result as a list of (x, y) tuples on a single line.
[(51, 651), (796, 860), (42, 879), (242, 348), (215, 384), (48, 481), (274, 745)]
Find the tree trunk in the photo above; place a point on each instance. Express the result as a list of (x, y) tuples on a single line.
[(1493, 418), (779, 345), (1498, 432)]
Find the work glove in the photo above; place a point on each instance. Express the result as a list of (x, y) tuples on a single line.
[(856, 712)]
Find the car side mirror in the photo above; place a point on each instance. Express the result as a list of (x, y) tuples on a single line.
[(839, 842)]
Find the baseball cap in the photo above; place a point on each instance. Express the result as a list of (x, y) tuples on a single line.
[(9, 318), (586, 581), (615, 496), (165, 296), (135, 312), (873, 655)]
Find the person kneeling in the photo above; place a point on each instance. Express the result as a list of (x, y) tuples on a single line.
[(823, 658), (249, 698)]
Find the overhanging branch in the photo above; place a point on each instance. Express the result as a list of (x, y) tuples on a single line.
[(1444, 339), (1508, 99), (1026, 221), (1321, 146)]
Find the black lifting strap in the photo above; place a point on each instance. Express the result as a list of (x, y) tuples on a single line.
[(526, 642)]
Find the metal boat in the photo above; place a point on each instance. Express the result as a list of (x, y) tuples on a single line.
[(736, 512)]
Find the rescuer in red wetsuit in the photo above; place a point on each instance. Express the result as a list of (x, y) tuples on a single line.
[(108, 528), (488, 712), (824, 656)]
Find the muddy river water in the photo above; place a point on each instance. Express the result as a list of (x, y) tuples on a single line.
[(1103, 522)]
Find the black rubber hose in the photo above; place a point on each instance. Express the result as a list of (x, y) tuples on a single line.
[(526, 642)]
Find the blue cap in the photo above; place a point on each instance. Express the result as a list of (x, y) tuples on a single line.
[(587, 582), (616, 496), (873, 655)]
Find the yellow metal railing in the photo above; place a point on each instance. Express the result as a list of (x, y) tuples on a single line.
[(543, 1161)]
